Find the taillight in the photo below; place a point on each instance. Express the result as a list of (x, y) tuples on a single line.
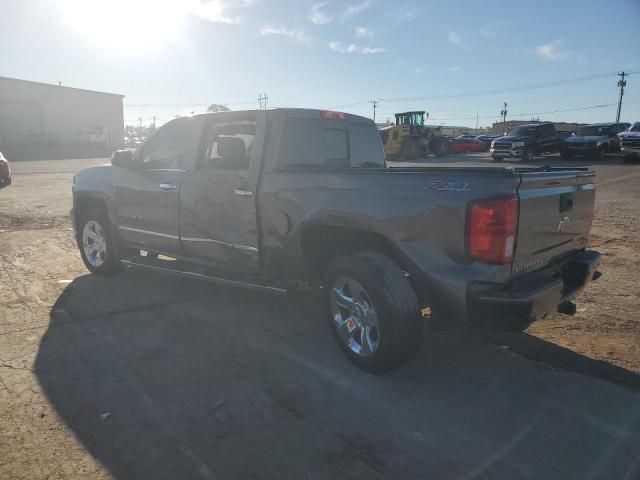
[(492, 224)]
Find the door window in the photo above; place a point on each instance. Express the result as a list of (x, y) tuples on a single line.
[(230, 145), (166, 149)]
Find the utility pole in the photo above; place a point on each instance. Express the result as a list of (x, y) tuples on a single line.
[(504, 115), (621, 83), (140, 127), (476, 122), (263, 98), (375, 105), (154, 124)]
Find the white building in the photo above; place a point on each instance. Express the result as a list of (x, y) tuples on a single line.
[(39, 120)]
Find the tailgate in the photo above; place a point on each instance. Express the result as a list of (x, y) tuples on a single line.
[(556, 211)]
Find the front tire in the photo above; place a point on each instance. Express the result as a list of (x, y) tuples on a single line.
[(96, 244), (601, 154), (440, 147), (373, 311)]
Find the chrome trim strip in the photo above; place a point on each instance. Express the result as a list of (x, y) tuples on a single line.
[(147, 232), (243, 193), (235, 283), (218, 242)]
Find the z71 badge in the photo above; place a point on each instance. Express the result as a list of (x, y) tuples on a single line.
[(447, 186)]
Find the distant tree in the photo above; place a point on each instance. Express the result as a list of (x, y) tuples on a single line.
[(216, 107)]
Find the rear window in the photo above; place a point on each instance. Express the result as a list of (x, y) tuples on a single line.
[(317, 143)]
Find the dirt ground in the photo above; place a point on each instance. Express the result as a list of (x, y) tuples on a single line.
[(147, 376)]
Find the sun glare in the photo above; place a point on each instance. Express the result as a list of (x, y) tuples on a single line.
[(138, 25)]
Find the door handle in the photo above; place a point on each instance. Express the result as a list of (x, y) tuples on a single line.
[(243, 193), (168, 186)]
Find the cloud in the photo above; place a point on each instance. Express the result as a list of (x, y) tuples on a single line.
[(362, 32), (356, 8), (216, 10), (455, 38), (552, 51), (318, 16), (354, 48), (297, 34), (454, 69)]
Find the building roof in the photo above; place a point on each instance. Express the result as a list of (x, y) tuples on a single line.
[(51, 85)]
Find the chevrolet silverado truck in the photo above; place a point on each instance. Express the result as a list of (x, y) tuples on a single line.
[(525, 142), (593, 140), (630, 143), (290, 199)]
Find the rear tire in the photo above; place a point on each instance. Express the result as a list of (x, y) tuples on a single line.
[(409, 149), (95, 241), (382, 288)]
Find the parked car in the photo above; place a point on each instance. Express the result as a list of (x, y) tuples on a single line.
[(525, 142), (487, 139), (467, 145), (5, 171), (286, 199), (630, 142), (594, 140)]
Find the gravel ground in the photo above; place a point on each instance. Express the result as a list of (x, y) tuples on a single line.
[(147, 376)]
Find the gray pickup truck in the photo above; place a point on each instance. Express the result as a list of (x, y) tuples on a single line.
[(291, 199)]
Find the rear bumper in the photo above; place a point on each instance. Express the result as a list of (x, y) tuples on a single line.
[(515, 306)]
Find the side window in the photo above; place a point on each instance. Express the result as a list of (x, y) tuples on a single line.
[(166, 149), (314, 143), (230, 145)]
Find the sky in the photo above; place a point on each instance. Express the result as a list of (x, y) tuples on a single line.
[(457, 60)]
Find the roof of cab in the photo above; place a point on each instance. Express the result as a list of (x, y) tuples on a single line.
[(290, 112)]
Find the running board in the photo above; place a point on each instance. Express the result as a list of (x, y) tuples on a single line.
[(208, 278)]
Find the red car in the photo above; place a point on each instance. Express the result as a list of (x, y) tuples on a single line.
[(5, 172), (467, 145)]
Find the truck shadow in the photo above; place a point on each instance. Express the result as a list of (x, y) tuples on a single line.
[(161, 377)]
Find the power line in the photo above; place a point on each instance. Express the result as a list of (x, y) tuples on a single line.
[(549, 112), (494, 91)]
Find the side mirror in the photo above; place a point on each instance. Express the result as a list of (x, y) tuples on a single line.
[(122, 158)]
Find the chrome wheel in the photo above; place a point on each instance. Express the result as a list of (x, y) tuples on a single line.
[(354, 317), (94, 243)]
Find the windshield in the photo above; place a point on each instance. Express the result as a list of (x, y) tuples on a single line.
[(635, 127), (522, 131), (594, 130)]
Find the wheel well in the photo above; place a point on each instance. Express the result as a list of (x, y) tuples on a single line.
[(86, 204), (322, 244)]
